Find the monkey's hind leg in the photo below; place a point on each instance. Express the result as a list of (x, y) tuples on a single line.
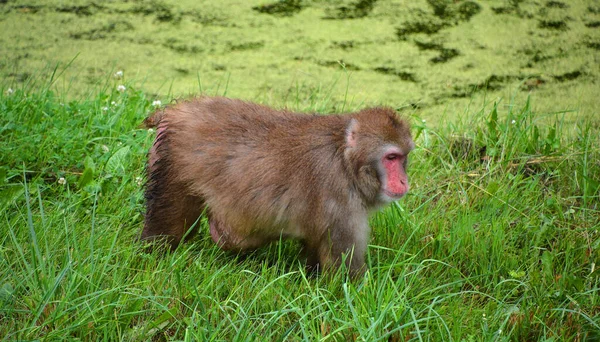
[(169, 219)]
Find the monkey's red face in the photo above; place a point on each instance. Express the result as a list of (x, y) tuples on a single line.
[(394, 182)]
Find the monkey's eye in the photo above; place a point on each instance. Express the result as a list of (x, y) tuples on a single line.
[(392, 156)]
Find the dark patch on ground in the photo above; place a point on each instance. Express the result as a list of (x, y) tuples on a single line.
[(162, 11), (593, 24), (445, 55), (344, 44), (403, 75), (354, 10), (540, 56), (20, 77), (512, 7), (339, 64), (420, 23), (31, 9), (556, 4), (21, 56), (245, 46), (554, 23), (537, 56), (594, 9), (593, 44), (446, 13), (458, 93), (81, 10), (503, 9), (183, 71), (283, 8), (428, 45), (493, 82), (207, 18), (181, 47), (441, 8), (104, 31), (497, 82), (468, 9), (568, 76), (452, 10)]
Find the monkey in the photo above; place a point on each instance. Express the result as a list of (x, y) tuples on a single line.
[(259, 175)]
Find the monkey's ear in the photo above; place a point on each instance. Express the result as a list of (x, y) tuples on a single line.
[(351, 133)]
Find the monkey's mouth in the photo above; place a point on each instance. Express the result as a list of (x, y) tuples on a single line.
[(394, 195)]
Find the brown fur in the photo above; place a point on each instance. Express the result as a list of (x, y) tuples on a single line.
[(262, 174)]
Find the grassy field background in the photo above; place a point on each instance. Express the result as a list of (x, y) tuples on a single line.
[(436, 55), (497, 241)]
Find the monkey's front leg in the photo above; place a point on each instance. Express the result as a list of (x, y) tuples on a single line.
[(345, 243)]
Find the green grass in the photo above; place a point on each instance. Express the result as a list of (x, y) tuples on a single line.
[(497, 241)]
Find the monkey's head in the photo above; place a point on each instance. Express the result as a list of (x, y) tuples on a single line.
[(376, 151)]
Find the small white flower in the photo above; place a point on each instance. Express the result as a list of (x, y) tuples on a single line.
[(113, 103), (423, 121), (513, 122), (138, 180), (156, 103), (499, 331), (62, 181), (119, 74), (105, 148), (121, 88), (9, 91), (150, 130), (105, 108)]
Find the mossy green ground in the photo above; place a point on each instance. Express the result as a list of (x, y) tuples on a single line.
[(498, 239), (435, 55)]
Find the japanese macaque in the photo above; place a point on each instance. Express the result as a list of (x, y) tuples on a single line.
[(260, 174)]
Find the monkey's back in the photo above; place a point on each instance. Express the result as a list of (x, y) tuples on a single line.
[(258, 169)]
